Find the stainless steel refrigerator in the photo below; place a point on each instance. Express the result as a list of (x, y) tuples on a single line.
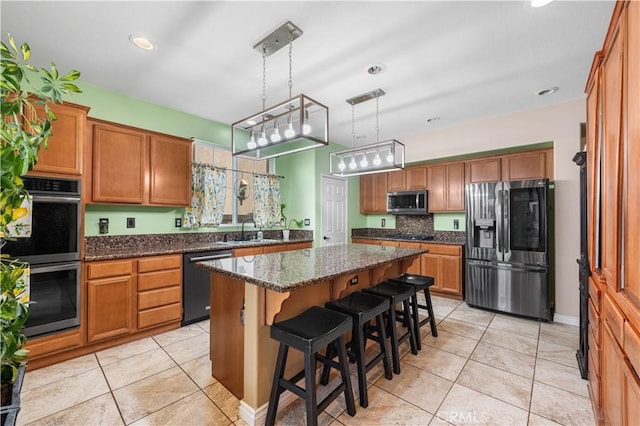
[(508, 247)]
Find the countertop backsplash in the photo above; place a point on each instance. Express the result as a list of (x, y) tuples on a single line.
[(406, 224)]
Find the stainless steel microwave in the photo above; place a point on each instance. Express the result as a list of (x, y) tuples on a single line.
[(407, 202)]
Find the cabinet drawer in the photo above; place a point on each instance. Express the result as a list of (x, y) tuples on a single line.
[(299, 246), (443, 249), (365, 241), (594, 322), (155, 316), (159, 279), (632, 346), (159, 297), (159, 263), (614, 319), (109, 269)]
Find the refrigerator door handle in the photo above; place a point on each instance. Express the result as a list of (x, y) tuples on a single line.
[(518, 268), (506, 207), (499, 230)]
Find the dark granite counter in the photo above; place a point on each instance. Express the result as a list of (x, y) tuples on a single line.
[(125, 246), (286, 271), (436, 240)]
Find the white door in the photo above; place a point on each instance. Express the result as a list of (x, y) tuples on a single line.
[(334, 211)]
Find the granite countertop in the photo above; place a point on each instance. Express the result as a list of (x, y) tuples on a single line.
[(289, 270), (434, 241), (155, 249)]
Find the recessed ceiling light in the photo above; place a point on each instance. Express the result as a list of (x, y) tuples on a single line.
[(433, 119), (376, 69), (540, 3), (548, 91), (141, 42)]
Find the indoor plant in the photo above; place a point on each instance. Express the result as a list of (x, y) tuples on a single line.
[(22, 134), (287, 230)]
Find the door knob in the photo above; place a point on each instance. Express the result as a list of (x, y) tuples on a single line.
[(326, 238)]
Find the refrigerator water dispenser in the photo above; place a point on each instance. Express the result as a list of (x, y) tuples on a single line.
[(485, 232)]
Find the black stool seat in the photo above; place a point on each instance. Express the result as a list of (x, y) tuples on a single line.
[(420, 283), (397, 293), (309, 332), (363, 307)]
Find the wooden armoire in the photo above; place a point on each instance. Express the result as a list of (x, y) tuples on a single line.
[(613, 161)]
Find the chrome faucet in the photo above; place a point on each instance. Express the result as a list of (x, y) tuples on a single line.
[(243, 222)]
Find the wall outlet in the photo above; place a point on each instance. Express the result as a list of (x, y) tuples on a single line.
[(353, 281), (131, 222), (178, 222), (103, 225), (383, 222), (456, 224), (307, 222)]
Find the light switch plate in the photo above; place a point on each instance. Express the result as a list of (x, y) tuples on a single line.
[(178, 222), (307, 222), (131, 222)]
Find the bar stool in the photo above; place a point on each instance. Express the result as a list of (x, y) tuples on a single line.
[(363, 307), (397, 293), (420, 283), (309, 332)]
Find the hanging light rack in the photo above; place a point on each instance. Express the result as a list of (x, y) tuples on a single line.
[(297, 124), (372, 158)]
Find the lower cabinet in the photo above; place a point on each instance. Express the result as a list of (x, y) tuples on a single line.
[(272, 248), (159, 297), (444, 264), (127, 295), (109, 299)]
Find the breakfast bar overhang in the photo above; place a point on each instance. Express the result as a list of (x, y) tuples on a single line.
[(250, 293)]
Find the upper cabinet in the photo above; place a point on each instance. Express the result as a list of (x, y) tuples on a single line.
[(133, 166), (63, 154), (446, 187), (528, 165), (484, 170), (416, 177), (397, 181), (373, 193)]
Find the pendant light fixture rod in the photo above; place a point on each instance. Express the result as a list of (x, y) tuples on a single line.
[(373, 94)]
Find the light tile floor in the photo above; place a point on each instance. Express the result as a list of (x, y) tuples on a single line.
[(483, 368)]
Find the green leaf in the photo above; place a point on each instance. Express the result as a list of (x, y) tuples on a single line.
[(70, 87), (12, 42), (54, 71), (26, 52), (71, 76)]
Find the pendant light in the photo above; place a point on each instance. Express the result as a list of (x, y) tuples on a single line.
[(367, 159), (260, 136)]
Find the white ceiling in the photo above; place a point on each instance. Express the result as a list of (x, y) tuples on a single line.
[(461, 61)]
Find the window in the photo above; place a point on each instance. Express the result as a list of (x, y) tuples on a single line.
[(239, 171)]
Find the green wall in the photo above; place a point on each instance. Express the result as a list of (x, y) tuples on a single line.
[(300, 189)]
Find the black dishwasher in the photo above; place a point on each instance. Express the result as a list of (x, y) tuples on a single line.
[(196, 287)]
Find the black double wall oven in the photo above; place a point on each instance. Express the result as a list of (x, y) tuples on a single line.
[(53, 252)]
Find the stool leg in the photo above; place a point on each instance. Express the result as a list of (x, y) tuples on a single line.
[(274, 398), (416, 320), (412, 334), (383, 347), (432, 318), (310, 388), (357, 340), (393, 336), (344, 372), (326, 369)]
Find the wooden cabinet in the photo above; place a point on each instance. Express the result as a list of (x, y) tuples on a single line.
[(134, 166), (270, 248), (63, 154), (416, 177), (529, 165), (299, 246), (373, 193), (446, 187), (159, 295), (613, 131), (397, 181), (444, 264), (484, 170), (109, 290)]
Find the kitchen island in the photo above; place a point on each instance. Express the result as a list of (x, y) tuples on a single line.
[(250, 293)]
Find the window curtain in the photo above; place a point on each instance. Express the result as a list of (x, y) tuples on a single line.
[(266, 200), (208, 189)]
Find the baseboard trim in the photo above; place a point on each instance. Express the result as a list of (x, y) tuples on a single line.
[(258, 417), (566, 319)]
